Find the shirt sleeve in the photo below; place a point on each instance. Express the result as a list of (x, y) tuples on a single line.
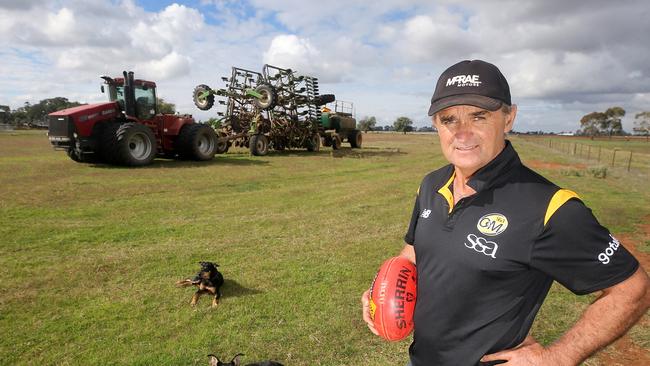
[(409, 238), (578, 252)]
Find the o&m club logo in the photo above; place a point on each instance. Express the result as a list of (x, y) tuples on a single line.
[(492, 224)]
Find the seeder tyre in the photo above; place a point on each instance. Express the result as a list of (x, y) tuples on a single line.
[(259, 145), (314, 143), (201, 101), (336, 142)]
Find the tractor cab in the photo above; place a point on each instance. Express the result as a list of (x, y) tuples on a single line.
[(137, 98)]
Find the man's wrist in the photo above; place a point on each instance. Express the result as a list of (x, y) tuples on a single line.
[(557, 356)]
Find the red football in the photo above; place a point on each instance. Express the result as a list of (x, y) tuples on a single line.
[(392, 298)]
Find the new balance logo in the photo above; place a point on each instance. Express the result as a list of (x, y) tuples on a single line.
[(464, 80), (425, 214), (482, 245)]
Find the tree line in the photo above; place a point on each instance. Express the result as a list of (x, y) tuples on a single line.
[(608, 123), (35, 114), (401, 124)]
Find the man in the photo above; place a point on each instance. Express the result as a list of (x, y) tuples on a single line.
[(489, 236)]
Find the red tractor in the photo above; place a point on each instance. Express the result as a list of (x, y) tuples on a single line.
[(129, 130)]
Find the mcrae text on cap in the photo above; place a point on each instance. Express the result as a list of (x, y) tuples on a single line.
[(477, 83)]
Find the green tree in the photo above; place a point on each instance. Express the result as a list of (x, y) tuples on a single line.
[(613, 125), (30, 113), (642, 124), (164, 107), (367, 124), (590, 124), (403, 124)]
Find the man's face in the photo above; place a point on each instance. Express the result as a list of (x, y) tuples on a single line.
[(470, 137)]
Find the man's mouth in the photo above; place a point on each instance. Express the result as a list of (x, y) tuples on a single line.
[(466, 148)]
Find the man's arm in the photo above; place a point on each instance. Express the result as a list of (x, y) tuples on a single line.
[(605, 320), (407, 252)]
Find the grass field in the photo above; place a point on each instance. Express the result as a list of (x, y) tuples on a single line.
[(90, 253)]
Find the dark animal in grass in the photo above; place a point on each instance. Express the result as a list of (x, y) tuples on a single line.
[(215, 361), (208, 281)]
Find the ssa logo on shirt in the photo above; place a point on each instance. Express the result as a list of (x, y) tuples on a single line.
[(492, 224)]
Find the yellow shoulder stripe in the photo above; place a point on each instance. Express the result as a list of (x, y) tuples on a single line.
[(559, 198), (446, 192)]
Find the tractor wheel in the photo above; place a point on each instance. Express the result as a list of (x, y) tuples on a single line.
[(336, 142), (222, 144), (268, 99), (202, 101), (314, 143), (72, 154), (259, 145), (131, 144), (355, 139), (197, 141), (81, 157)]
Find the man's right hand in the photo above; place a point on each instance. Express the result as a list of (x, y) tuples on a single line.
[(365, 302)]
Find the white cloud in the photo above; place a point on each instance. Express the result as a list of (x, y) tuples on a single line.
[(563, 58), (171, 66)]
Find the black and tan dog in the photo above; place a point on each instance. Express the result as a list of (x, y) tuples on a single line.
[(215, 361), (209, 281)]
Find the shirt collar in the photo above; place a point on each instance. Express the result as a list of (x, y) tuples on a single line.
[(496, 170)]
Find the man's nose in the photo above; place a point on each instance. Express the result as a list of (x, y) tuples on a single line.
[(464, 127)]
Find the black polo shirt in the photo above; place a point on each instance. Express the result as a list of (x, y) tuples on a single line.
[(486, 264)]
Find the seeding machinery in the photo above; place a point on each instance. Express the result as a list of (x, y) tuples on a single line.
[(277, 109)]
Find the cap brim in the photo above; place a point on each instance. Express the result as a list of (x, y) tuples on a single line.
[(475, 100)]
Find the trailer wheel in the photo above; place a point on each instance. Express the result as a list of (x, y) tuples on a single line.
[(327, 141), (202, 101), (268, 99), (336, 142), (197, 141), (314, 143), (355, 139), (259, 145), (130, 144), (222, 143)]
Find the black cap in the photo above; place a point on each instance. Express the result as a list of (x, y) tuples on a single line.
[(475, 82)]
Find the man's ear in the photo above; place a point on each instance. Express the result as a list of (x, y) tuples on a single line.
[(510, 119)]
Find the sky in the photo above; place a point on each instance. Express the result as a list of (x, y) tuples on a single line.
[(562, 58)]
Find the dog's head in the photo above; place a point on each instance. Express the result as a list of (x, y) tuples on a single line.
[(207, 269), (215, 361)]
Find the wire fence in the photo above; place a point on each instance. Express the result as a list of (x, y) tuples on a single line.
[(613, 157)]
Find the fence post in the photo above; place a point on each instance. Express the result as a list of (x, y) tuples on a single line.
[(614, 156), (629, 162), (599, 147), (575, 145), (589, 152), (549, 143)]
